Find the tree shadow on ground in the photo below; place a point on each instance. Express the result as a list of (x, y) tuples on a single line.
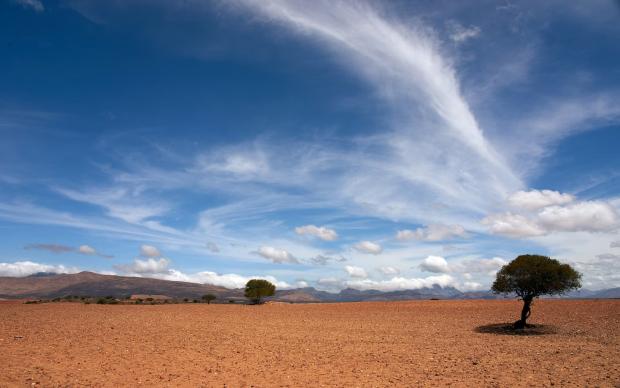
[(508, 329)]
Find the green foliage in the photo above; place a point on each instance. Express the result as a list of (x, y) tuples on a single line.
[(530, 276), (208, 298), (256, 289), (107, 300)]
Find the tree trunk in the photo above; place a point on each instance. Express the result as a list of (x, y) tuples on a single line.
[(525, 313)]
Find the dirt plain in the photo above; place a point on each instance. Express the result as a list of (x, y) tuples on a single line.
[(369, 344)]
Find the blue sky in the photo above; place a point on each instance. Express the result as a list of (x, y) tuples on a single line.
[(374, 145)]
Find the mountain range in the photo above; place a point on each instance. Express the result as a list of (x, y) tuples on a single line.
[(50, 285)]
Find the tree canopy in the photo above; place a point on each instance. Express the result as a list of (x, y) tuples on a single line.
[(256, 289), (530, 276)]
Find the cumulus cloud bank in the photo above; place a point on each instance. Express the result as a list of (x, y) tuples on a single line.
[(402, 283), (552, 212), (27, 268)]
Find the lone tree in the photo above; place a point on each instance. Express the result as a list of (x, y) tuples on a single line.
[(256, 289), (530, 276), (208, 298)]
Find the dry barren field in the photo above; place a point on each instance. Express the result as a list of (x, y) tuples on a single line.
[(417, 343)]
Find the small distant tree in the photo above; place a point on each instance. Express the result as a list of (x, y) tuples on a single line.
[(208, 298), (256, 289), (530, 276)]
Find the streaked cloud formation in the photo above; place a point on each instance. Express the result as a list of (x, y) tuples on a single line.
[(361, 144)]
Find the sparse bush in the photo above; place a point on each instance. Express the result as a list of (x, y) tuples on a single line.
[(185, 300), (107, 300), (208, 298), (256, 289), (530, 276)]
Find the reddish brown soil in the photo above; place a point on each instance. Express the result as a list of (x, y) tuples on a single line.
[(418, 343)]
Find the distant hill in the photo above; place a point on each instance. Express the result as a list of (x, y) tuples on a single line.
[(610, 293), (49, 285), (93, 284)]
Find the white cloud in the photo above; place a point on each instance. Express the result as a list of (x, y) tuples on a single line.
[(435, 232), (614, 244), (87, 250), (435, 264), (149, 251), (240, 163), (387, 270), (487, 266), (471, 286), (301, 284), (582, 216), (591, 216), (405, 64), (356, 272), (368, 247), (277, 255), (401, 283), (321, 232), (512, 225), (230, 280), (120, 203), (27, 268), (36, 5), (330, 284), (537, 199), (147, 266), (560, 118), (460, 34)]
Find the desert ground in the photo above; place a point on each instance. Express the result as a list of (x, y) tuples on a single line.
[(370, 344)]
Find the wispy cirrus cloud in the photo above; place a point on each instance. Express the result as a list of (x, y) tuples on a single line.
[(35, 5), (59, 248)]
